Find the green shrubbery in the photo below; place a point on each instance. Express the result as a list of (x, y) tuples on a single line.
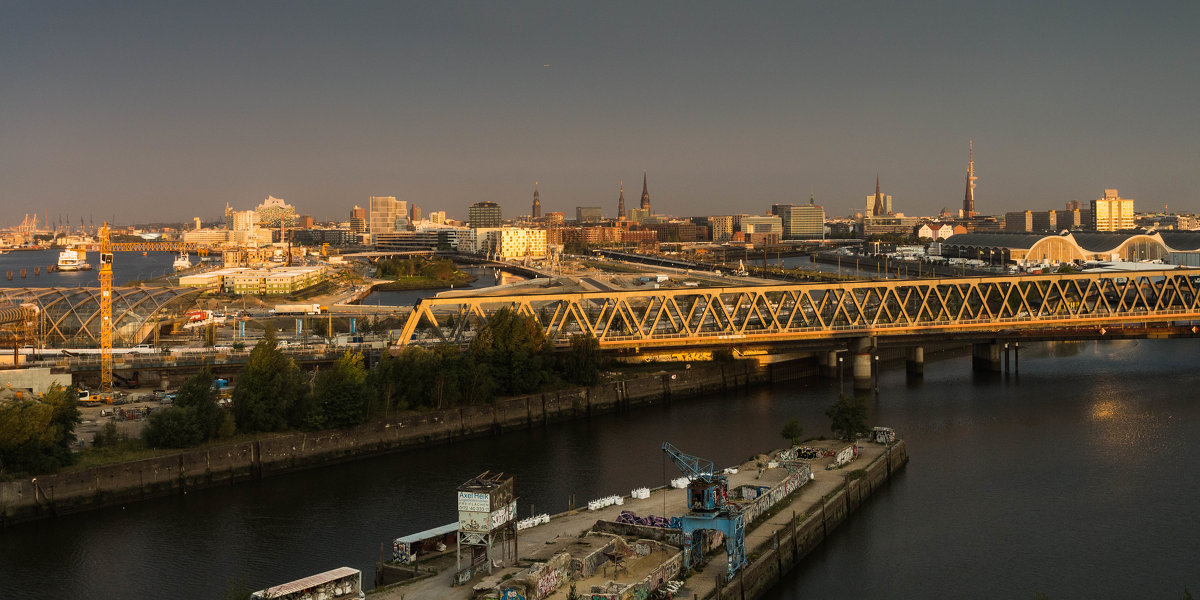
[(36, 435)]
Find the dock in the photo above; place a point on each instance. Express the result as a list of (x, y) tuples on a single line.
[(774, 542)]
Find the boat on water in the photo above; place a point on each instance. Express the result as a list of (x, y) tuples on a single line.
[(73, 259), (182, 262)]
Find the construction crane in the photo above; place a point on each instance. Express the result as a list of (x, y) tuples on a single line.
[(107, 247), (709, 508)]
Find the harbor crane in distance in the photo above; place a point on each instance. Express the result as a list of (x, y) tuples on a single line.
[(107, 247), (709, 508)]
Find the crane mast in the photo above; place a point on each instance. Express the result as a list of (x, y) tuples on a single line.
[(106, 292), (106, 324)]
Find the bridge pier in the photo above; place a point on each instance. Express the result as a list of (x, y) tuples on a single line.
[(915, 365), (864, 348), (827, 364), (986, 357)]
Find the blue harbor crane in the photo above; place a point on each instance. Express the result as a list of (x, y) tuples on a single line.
[(708, 508)]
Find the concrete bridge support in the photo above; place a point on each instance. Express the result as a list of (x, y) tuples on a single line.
[(828, 364), (864, 350), (915, 365), (986, 357)]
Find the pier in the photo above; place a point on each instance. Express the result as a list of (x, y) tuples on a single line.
[(776, 538)]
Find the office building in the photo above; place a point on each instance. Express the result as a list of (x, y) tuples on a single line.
[(484, 215), (588, 214), (387, 215), (802, 222)]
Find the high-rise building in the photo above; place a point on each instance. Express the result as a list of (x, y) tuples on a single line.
[(484, 214), (437, 217), (1074, 205), (802, 222), (621, 203), (1018, 221), (537, 202), (228, 217), (415, 214), (358, 219), (645, 194), (387, 215), (588, 214), (1112, 212), (969, 197), (879, 204), (306, 222)]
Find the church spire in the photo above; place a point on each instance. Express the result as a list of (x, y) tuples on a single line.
[(645, 194), (877, 210), (537, 202), (621, 203), (969, 196)]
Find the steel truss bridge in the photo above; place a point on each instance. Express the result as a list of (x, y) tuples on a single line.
[(774, 314)]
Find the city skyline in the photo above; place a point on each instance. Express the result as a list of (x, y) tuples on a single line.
[(149, 112)]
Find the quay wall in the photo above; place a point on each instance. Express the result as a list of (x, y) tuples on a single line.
[(792, 542), (85, 489)]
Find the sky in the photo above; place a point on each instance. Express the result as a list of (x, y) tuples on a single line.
[(164, 111)]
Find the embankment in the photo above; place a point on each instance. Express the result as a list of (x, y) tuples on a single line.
[(792, 542), (73, 491)]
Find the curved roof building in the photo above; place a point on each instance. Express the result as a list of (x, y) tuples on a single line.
[(1071, 246), (71, 316)]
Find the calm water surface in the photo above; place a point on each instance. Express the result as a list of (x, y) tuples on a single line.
[(1077, 480), (127, 266)]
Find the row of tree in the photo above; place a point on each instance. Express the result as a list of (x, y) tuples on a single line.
[(509, 356)]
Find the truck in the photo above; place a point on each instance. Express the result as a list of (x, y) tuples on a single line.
[(299, 309)]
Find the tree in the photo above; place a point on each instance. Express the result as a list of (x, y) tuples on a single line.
[(514, 348), (792, 431), (199, 394), (174, 427), (341, 393), (36, 435), (108, 436), (848, 417), (582, 363), (269, 388)]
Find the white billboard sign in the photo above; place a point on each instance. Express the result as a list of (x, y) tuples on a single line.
[(474, 502)]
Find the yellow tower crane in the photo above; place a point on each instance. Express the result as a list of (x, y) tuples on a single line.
[(107, 247)]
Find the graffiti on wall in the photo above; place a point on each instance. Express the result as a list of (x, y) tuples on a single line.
[(512, 594)]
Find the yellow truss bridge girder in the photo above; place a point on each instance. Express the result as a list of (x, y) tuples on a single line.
[(777, 313)]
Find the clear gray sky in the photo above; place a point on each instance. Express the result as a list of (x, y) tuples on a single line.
[(167, 110)]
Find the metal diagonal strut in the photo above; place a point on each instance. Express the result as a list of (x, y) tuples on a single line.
[(633, 319)]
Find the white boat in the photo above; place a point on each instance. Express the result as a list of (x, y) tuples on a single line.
[(73, 259), (182, 262)]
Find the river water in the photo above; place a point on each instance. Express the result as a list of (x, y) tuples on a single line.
[(127, 266), (1076, 479)]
